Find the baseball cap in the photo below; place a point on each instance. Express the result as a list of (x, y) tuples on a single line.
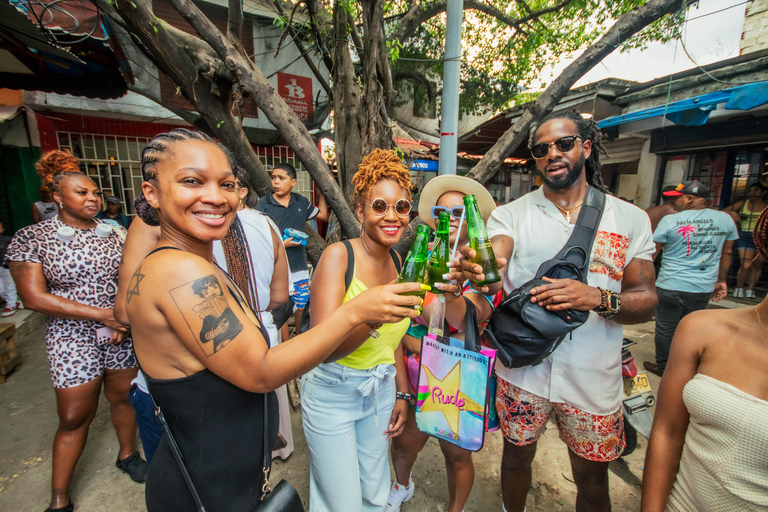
[(692, 188), (112, 199)]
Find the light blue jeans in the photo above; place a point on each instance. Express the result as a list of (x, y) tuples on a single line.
[(345, 413)]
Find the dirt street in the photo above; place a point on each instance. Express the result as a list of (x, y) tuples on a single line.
[(28, 422)]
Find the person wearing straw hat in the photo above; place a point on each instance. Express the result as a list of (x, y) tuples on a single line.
[(444, 193)]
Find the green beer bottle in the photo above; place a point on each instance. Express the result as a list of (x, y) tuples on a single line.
[(441, 253), (480, 243), (415, 266)]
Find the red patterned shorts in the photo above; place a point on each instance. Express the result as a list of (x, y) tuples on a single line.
[(523, 417)]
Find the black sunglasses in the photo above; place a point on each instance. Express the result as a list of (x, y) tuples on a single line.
[(379, 207), (563, 145), (456, 211)]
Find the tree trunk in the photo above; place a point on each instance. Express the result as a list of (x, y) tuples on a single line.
[(625, 27), (346, 104), (250, 78), (376, 131)]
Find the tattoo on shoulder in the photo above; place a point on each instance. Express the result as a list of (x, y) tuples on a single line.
[(211, 320), (133, 286)]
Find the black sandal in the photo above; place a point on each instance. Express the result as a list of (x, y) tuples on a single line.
[(68, 508)]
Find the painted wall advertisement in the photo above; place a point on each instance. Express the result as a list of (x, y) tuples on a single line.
[(297, 92)]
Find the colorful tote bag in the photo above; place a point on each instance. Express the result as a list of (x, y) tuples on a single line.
[(453, 396)]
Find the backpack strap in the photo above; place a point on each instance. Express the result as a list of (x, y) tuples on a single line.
[(579, 246), (395, 258), (350, 273)]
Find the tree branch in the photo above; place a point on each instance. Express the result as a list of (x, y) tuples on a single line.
[(356, 37), (625, 27), (304, 53), (179, 58), (402, 74), (278, 113), (418, 14), (235, 20)]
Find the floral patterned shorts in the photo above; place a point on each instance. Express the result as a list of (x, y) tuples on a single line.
[(524, 417)]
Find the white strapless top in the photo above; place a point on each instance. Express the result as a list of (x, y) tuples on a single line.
[(724, 465)]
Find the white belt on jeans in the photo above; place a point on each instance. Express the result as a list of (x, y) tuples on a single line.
[(371, 384)]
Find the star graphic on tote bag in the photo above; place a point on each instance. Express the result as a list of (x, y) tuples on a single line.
[(448, 387)]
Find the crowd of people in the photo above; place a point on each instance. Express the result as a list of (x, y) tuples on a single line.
[(176, 311)]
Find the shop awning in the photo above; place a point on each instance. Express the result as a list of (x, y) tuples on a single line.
[(695, 111)]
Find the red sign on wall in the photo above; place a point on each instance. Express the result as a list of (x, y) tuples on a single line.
[(297, 92)]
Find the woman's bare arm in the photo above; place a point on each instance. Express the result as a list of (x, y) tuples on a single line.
[(141, 239), (195, 301), (670, 421), (32, 288)]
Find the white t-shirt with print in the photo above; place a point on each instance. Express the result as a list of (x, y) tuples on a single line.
[(585, 370)]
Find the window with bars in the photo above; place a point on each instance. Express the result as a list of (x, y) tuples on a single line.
[(113, 162)]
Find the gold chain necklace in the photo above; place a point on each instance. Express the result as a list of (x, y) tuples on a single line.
[(568, 212), (761, 323)]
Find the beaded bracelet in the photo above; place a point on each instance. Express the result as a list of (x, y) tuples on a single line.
[(405, 396)]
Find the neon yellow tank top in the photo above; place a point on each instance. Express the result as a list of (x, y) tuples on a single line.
[(748, 218), (374, 351)]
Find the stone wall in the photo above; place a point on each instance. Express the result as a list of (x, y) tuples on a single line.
[(754, 35)]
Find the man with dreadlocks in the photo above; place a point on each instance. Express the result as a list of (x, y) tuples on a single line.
[(581, 380)]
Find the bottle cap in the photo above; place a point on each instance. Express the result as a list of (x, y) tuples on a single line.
[(65, 233), (103, 230)]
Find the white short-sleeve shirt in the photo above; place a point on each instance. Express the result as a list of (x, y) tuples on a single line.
[(258, 230), (585, 370)]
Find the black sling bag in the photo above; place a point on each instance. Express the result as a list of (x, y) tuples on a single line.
[(524, 333)]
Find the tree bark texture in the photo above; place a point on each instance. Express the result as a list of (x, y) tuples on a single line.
[(195, 69), (624, 28), (376, 131), (346, 103), (251, 79)]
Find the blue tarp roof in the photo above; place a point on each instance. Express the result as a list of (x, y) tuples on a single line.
[(695, 111)]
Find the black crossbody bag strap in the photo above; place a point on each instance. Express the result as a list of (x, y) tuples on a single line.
[(578, 247)]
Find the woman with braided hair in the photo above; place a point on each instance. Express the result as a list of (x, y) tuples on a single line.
[(66, 267), (709, 443), (204, 352)]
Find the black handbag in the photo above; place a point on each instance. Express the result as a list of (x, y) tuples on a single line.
[(524, 333), (283, 498)]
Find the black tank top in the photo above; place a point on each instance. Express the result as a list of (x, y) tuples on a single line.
[(219, 429)]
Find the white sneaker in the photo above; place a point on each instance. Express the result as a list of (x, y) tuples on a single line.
[(749, 294), (19, 305), (7, 312), (399, 495), (738, 292)]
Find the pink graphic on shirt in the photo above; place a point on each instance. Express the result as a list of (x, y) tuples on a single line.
[(610, 254), (687, 231)]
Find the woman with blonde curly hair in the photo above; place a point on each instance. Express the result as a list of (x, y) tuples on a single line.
[(348, 403)]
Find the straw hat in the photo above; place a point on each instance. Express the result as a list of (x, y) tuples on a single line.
[(436, 187)]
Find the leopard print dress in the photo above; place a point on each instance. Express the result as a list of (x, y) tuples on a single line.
[(83, 270)]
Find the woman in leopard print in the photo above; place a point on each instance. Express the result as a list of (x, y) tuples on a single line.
[(66, 267)]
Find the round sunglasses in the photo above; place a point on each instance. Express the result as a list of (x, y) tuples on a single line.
[(456, 212), (563, 145), (379, 207)]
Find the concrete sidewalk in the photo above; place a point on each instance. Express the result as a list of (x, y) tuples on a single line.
[(28, 422)]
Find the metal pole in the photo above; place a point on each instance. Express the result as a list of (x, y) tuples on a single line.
[(449, 125)]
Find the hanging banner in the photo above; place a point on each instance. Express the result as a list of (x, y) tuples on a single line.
[(297, 92)]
